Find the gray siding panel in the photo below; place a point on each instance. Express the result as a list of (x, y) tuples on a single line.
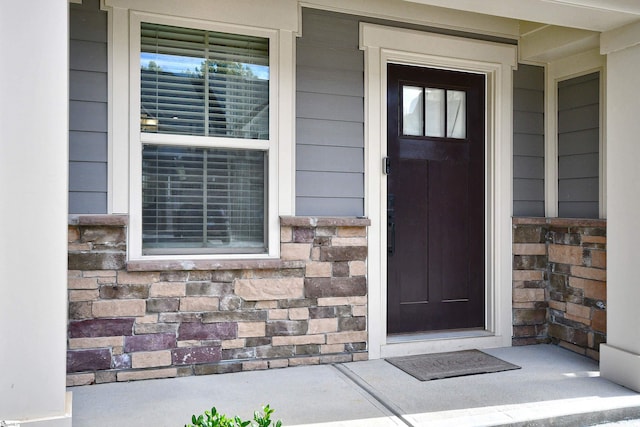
[(580, 142), (88, 118), (528, 141), (319, 132), (344, 34), (528, 167), (329, 185), (87, 55), (329, 58), (337, 82), (329, 207), (330, 107), (88, 22), (578, 166), (528, 122), (329, 116), (531, 190), (578, 146), (87, 86), (528, 145), (579, 210), (577, 119), (88, 146), (573, 94), (578, 190), (529, 77), (527, 100), (319, 158), (87, 202), (87, 176), (526, 208)]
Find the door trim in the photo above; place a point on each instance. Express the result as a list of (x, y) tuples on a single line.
[(382, 45)]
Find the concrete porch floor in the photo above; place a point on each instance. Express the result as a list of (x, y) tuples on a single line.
[(554, 387)]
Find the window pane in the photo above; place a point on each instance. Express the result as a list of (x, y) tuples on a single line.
[(456, 114), (197, 199), (196, 82), (412, 115), (434, 122)]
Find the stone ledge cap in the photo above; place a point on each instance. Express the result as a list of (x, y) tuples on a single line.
[(99, 220), (561, 222), (577, 222), (203, 265), (313, 221)]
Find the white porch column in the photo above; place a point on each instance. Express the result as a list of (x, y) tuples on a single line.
[(620, 357), (33, 217)]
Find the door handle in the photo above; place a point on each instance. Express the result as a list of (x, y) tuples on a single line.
[(391, 244)]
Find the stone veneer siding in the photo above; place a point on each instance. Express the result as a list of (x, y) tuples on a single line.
[(559, 283), (157, 319)]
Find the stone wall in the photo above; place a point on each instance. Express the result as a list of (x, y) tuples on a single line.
[(559, 283), (152, 319)]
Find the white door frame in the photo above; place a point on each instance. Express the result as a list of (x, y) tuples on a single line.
[(383, 45)]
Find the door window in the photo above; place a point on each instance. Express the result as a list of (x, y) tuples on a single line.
[(433, 112)]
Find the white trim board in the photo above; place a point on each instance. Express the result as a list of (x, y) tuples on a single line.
[(382, 45)]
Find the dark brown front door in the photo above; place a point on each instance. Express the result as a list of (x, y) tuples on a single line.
[(435, 199)]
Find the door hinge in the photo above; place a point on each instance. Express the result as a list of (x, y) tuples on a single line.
[(386, 165)]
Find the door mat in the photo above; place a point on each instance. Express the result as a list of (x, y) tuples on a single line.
[(436, 366)]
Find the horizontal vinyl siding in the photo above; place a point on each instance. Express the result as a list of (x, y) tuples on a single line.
[(528, 141), (88, 108), (329, 116), (578, 146)]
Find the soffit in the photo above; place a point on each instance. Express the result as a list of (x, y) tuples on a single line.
[(594, 15)]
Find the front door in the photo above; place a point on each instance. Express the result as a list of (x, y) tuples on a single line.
[(435, 199)]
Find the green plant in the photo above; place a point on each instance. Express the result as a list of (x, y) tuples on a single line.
[(264, 419), (213, 418)]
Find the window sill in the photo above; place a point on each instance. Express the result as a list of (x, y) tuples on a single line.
[(561, 222), (195, 265), (104, 220), (311, 221)]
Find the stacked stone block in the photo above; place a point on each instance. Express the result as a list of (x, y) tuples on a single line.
[(157, 319), (577, 284), (530, 282), (566, 258)]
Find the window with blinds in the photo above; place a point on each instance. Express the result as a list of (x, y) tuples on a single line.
[(196, 82), (203, 198)]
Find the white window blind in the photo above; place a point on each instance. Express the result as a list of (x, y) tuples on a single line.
[(203, 198), (197, 82)]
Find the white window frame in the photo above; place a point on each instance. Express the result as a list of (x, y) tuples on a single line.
[(125, 138)]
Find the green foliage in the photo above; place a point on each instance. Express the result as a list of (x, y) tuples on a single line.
[(213, 418)]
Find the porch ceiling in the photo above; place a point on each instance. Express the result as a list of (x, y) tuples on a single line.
[(595, 15)]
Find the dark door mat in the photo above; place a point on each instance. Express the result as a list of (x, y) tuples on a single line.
[(436, 366)]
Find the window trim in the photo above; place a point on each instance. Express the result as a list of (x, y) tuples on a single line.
[(556, 71), (126, 146)]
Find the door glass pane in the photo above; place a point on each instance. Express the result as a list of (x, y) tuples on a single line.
[(434, 121), (412, 110), (456, 114)]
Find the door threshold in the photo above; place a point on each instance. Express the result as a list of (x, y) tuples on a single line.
[(440, 341), (438, 335)]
